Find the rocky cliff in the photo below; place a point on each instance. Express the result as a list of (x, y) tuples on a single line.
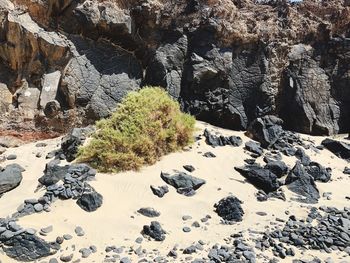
[(69, 62)]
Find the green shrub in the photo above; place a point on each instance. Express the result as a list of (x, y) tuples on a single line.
[(146, 125)]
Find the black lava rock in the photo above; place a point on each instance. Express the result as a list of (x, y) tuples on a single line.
[(260, 177), (90, 201), (230, 209), (155, 231)]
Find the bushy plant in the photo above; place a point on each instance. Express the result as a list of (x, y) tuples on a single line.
[(146, 125)]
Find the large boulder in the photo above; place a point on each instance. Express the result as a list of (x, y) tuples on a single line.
[(221, 140), (266, 130), (340, 149), (10, 177), (319, 172), (303, 184), (260, 177), (53, 173)]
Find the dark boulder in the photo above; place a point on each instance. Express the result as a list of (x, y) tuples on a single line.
[(182, 181), (10, 177), (90, 201), (189, 168), (214, 140), (346, 170), (154, 231), (71, 142), (260, 177), (302, 156), (266, 130), (230, 209), (318, 172), (303, 184), (254, 147), (279, 168), (160, 191), (340, 149), (53, 173), (26, 247)]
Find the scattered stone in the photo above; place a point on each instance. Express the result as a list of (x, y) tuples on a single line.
[(346, 170), (26, 247), (72, 141), (186, 229), (41, 144), (214, 141), (301, 183), (149, 212), (254, 147), (154, 231), (90, 201), (278, 168), (46, 230), (183, 181), (318, 172), (189, 168), (260, 177), (266, 130), (11, 157), (67, 237), (340, 149), (209, 155), (160, 191), (230, 209), (10, 177), (186, 217), (66, 258), (302, 156), (79, 231), (85, 252)]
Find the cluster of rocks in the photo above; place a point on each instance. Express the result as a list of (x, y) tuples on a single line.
[(300, 179), (183, 183), (214, 140), (23, 244), (240, 251), (330, 232), (154, 231), (64, 182)]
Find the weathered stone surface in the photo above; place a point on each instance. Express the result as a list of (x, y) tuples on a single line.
[(266, 130), (154, 231), (230, 209), (183, 181), (10, 177), (90, 201), (26, 247), (71, 142), (302, 183), (260, 177), (340, 149), (49, 87), (5, 98)]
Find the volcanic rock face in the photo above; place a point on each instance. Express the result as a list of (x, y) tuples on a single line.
[(65, 63)]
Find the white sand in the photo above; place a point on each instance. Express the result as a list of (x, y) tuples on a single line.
[(117, 223)]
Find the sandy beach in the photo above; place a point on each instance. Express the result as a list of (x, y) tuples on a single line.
[(117, 222)]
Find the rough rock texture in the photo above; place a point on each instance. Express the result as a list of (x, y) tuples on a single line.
[(340, 149), (10, 177), (260, 177), (230, 209), (227, 62), (183, 182), (303, 184)]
